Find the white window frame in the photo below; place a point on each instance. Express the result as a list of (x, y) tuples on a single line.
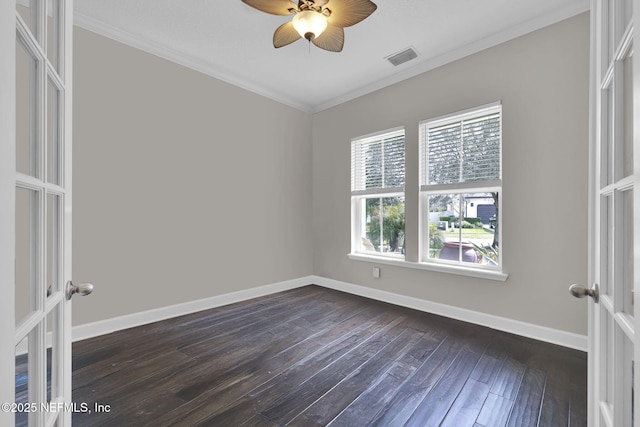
[(485, 186), (358, 197)]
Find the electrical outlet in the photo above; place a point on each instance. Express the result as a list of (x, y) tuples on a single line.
[(376, 272)]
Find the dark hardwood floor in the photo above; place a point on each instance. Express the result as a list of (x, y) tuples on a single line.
[(313, 356)]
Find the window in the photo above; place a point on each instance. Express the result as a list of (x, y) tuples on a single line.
[(377, 194), (461, 187)]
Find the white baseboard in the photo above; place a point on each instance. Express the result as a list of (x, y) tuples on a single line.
[(542, 333), (101, 327), (529, 330)]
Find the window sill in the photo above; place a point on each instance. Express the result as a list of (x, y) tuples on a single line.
[(452, 269)]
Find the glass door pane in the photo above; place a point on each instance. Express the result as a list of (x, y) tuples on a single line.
[(26, 118), (607, 216), (619, 13), (27, 9), (53, 32), (53, 151), (26, 230), (22, 381), (627, 92), (607, 361), (54, 214), (626, 362), (607, 152), (626, 256), (53, 356)]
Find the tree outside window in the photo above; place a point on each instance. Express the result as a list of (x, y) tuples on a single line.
[(377, 192)]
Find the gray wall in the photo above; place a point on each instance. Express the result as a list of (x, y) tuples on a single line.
[(184, 187), (169, 206), (542, 81)]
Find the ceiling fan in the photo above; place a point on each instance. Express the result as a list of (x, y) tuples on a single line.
[(321, 22)]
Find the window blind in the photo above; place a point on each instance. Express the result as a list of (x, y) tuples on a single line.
[(377, 163), (463, 151)]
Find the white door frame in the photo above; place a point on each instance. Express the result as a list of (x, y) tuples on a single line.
[(636, 199), (593, 118), (609, 381), (56, 309), (7, 205), (65, 337)]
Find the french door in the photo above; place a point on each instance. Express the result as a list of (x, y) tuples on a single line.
[(35, 212), (615, 214)]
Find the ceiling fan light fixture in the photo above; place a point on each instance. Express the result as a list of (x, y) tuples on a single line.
[(321, 22), (309, 24)]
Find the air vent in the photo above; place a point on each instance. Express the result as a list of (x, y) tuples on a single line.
[(402, 57)]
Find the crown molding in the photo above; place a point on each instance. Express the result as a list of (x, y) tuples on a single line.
[(210, 69), (459, 53), (180, 58)]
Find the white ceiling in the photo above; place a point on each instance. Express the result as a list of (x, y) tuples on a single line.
[(233, 42)]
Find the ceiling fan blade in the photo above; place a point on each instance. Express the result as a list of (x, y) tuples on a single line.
[(332, 39), (285, 34), (345, 13), (274, 7)]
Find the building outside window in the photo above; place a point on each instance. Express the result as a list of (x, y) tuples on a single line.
[(377, 194)]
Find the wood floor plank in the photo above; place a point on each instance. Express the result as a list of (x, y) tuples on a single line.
[(191, 324), (468, 404), (488, 367), (509, 378), (289, 367), (364, 409), (526, 408), (313, 356), (435, 406), (578, 407), (117, 381), (116, 351), (556, 405), (246, 329), (354, 384), (256, 421), (130, 396), (292, 403), (413, 391), (245, 358), (495, 411)]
